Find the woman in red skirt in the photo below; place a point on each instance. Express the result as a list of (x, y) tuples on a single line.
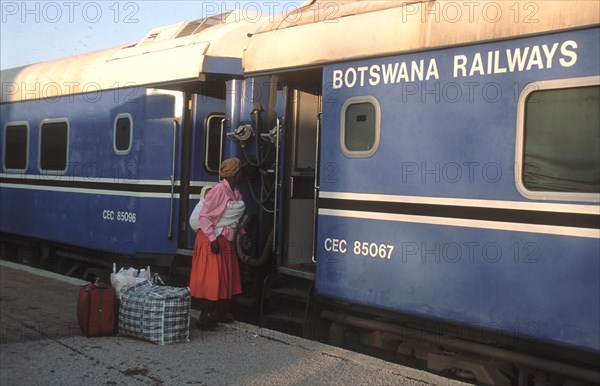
[(215, 276)]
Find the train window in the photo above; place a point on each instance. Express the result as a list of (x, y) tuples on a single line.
[(214, 142), (360, 125), (16, 145), (123, 134), (559, 140), (54, 145)]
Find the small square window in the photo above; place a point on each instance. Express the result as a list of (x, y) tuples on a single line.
[(123, 133), (54, 145), (16, 138), (360, 126), (215, 139)]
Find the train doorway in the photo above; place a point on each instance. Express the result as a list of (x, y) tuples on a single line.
[(303, 105)]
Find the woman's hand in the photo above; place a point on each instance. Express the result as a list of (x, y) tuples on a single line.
[(214, 247)]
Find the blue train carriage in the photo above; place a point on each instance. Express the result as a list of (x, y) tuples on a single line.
[(105, 154), (454, 152)]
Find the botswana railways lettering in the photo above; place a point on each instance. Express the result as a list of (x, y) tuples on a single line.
[(481, 63)]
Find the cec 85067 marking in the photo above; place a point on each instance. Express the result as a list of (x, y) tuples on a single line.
[(359, 248)]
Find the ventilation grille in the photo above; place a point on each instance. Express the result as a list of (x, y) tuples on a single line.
[(197, 26)]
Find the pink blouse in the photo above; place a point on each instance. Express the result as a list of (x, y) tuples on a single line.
[(215, 203)]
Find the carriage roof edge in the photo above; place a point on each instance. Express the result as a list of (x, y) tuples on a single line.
[(317, 33), (171, 55)]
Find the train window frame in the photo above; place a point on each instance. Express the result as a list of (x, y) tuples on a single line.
[(5, 141), (117, 118), (353, 101), (67, 146), (207, 121), (520, 140)]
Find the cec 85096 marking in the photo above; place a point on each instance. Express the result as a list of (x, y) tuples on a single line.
[(359, 248), (111, 215)]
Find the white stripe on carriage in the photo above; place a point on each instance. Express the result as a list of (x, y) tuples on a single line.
[(90, 180), (125, 193), (467, 223), (63, 178), (494, 204), (88, 191)]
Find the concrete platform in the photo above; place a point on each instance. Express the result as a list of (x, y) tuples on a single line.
[(41, 344)]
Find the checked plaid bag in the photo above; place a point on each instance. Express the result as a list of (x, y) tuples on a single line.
[(160, 314)]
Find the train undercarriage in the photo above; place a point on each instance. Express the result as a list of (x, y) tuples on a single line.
[(289, 304)]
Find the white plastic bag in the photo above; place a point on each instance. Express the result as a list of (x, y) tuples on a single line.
[(127, 277), (145, 273)]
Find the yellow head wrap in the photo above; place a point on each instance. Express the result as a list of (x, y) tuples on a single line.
[(230, 167)]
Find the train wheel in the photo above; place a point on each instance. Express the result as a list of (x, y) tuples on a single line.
[(321, 330), (28, 256), (46, 257), (60, 265), (336, 335), (67, 267), (8, 251), (3, 251)]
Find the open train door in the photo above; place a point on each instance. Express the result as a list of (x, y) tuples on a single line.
[(301, 123)]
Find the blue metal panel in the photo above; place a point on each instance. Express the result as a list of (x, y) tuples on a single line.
[(105, 201), (535, 286), (448, 137), (454, 137)]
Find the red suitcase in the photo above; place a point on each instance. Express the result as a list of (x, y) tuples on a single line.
[(96, 309)]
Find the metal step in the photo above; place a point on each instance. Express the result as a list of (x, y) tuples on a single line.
[(300, 295), (301, 273), (286, 304)]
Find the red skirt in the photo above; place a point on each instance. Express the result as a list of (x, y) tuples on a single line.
[(214, 276)]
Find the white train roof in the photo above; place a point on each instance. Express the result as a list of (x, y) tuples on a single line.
[(325, 31), (167, 56)]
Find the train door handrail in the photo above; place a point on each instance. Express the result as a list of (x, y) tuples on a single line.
[(276, 187), (221, 144), (172, 200), (317, 187)]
